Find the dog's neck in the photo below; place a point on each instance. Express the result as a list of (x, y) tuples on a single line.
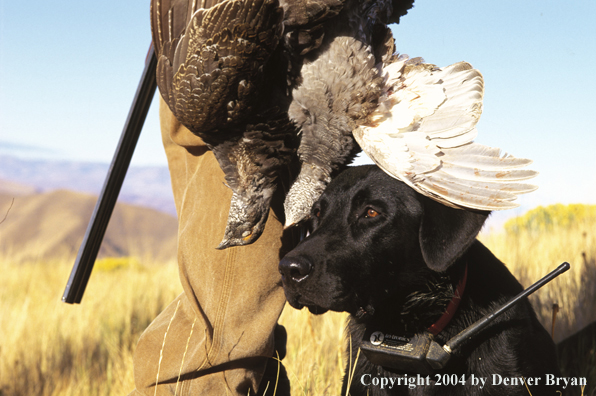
[(412, 312)]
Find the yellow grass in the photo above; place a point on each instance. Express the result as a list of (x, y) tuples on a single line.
[(536, 243), (51, 348), (316, 351)]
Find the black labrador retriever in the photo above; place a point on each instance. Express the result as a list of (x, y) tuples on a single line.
[(395, 260)]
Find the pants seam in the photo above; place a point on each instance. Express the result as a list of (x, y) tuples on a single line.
[(223, 305)]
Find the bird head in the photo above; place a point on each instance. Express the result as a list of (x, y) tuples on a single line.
[(246, 219), (305, 191)]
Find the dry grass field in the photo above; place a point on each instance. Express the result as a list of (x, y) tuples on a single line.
[(536, 243), (51, 348)]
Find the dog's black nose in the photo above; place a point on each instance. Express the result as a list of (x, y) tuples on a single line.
[(294, 270)]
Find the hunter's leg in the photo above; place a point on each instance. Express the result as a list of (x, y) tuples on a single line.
[(216, 338)]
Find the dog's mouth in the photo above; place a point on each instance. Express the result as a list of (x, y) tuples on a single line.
[(316, 310), (345, 303), (299, 302)]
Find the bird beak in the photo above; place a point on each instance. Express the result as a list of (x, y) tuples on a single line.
[(296, 223), (287, 226), (224, 244)]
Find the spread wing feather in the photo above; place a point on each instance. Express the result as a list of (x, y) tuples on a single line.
[(423, 131)]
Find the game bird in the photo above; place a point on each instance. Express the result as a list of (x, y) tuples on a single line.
[(421, 130), (269, 83), (227, 69), (219, 72)]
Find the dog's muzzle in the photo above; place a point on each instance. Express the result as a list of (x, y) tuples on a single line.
[(294, 271)]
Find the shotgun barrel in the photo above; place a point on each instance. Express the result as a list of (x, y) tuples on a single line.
[(81, 271)]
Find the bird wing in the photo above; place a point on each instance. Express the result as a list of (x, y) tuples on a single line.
[(169, 22), (210, 58), (422, 133)]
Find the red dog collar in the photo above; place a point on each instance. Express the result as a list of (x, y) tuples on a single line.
[(440, 324)]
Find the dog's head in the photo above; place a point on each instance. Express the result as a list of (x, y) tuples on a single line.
[(372, 236)]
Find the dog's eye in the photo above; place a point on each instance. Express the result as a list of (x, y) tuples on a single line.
[(371, 213)]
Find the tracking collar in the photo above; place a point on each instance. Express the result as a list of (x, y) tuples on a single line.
[(422, 354), (411, 354)]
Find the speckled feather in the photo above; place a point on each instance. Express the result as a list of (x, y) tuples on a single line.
[(227, 69), (213, 80), (339, 89), (212, 57)]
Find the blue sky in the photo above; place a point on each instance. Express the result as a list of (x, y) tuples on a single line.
[(69, 70)]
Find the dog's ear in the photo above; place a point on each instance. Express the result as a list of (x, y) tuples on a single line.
[(446, 233)]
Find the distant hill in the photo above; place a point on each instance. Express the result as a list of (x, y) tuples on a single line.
[(52, 225), (144, 186), (15, 189)]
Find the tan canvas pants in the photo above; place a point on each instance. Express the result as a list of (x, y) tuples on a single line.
[(216, 338)]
